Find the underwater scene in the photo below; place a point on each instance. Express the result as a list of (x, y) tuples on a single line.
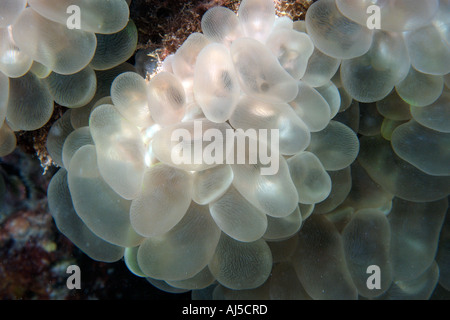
[(224, 150)]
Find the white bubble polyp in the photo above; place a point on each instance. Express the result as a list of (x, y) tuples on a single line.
[(49, 50), (195, 210)]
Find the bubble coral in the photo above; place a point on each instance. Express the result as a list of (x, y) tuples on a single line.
[(43, 61), (311, 229)]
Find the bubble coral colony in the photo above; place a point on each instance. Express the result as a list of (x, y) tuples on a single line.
[(363, 117)]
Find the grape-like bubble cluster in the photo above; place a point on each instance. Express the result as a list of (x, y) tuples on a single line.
[(356, 121), (49, 55)]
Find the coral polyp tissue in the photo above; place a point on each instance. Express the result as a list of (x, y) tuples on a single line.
[(49, 54), (361, 150)]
